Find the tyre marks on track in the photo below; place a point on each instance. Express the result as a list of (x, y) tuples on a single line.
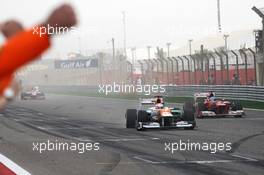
[(112, 136)]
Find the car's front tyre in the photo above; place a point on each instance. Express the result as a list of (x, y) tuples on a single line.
[(131, 117), (142, 117)]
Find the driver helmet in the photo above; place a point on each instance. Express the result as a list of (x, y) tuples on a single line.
[(158, 101), (211, 94)]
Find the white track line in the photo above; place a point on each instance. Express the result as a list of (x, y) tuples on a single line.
[(243, 157), (117, 140), (13, 166), (145, 160), (190, 161), (127, 140), (209, 161), (142, 160), (251, 109)]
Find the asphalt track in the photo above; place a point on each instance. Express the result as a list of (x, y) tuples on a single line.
[(124, 151)]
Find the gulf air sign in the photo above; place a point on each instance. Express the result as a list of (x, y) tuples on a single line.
[(76, 64)]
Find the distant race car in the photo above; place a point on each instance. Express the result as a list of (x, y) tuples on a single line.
[(34, 93), (206, 105), (153, 114)]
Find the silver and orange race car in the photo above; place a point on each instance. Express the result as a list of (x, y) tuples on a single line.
[(152, 114)]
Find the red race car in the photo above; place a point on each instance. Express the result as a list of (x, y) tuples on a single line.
[(206, 105)]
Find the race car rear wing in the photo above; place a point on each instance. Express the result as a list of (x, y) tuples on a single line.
[(148, 101)]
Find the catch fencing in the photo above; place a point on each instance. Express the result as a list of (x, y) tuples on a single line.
[(238, 67)]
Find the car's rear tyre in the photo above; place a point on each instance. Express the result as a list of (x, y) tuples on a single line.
[(42, 95), (131, 117), (236, 105), (142, 116), (42, 98), (238, 116), (188, 114), (189, 128), (188, 110), (22, 97), (199, 108)]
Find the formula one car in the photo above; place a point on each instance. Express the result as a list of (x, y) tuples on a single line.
[(34, 93), (153, 114), (206, 105)]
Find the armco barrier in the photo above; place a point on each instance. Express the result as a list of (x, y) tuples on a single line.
[(82, 90), (252, 93)]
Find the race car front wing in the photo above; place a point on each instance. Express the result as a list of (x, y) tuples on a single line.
[(230, 113), (156, 125)]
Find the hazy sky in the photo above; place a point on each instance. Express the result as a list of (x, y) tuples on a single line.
[(149, 22)]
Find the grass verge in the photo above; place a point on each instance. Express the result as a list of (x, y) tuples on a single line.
[(245, 104)]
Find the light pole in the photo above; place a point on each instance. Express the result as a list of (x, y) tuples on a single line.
[(225, 38), (260, 12), (168, 47), (149, 47), (190, 46), (100, 60), (219, 16), (133, 51), (114, 58), (80, 45), (124, 28)]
